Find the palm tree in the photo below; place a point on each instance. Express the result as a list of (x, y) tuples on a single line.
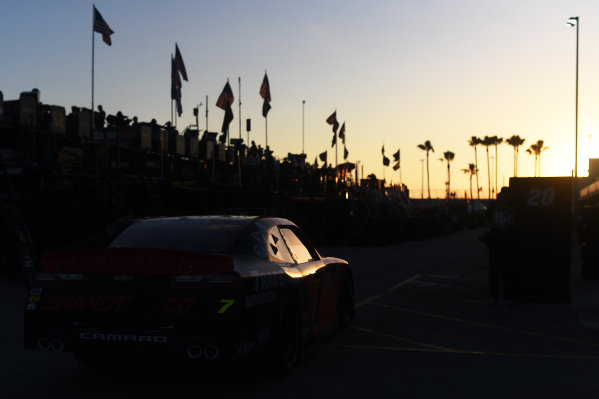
[(536, 149), (496, 142), (532, 150), (471, 170), (474, 141), (515, 141), (487, 142), (427, 146), (449, 156)]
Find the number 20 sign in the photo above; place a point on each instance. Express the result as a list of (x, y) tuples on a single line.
[(541, 197)]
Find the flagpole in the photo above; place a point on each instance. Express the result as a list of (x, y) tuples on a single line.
[(336, 147), (93, 61), (239, 81), (172, 85), (303, 124), (400, 176), (206, 113), (266, 129)]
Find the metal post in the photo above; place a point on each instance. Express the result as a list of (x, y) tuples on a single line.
[(239, 81), (206, 112), (576, 21), (576, 139), (303, 125), (198, 117), (93, 53)]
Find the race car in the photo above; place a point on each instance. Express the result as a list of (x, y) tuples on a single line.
[(204, 287)]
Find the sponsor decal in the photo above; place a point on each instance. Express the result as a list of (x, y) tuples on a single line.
[(35, 291), (33, 298), (85, 302), (227, 303), (117, 337), (177, 305), (260, 299), (260, 251), (270, 281), (246, 347)]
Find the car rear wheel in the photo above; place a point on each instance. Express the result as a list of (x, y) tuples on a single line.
[(286, 339)]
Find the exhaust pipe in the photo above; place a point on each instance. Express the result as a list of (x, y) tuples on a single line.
[(211, 352), (43, 344), (57, 345), (194, 351)]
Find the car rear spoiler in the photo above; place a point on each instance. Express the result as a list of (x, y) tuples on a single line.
[(136, 261)]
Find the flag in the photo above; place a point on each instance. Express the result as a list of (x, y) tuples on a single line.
[(396, 166), (342, 133), (102, 27), (176, 86), (224, 102), (265, 89), (385, 161), (323, 157), (334, 140), (180, 63), (396, 156), (265, 108), (345, 152), (332, 120), (265, 94), (226, 99)]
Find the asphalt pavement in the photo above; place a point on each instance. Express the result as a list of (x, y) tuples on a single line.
[(585, 293), (423, 328)]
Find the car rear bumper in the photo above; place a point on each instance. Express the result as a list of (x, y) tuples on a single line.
[(194, 339)]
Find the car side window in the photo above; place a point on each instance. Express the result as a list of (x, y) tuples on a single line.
[(299, 250), (277, 249)]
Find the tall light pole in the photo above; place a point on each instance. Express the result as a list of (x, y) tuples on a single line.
[(303, 124), (574, 21)]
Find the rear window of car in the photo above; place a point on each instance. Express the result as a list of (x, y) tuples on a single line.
[(197, 235)]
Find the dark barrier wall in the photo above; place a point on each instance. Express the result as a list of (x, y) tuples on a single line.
[(542, 237)]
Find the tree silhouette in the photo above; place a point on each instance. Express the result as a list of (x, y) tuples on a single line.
[(496, 142), (471, 170), (474, 141), (487, 142), (427, 146), (536, 149), (515, 141), (449, 156)]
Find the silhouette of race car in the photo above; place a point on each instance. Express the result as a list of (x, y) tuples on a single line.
[(204, 287)]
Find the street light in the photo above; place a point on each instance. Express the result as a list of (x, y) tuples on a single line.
[(574, 21), (196, 112)]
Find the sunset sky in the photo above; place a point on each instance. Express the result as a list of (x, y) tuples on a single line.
[(397, 72)]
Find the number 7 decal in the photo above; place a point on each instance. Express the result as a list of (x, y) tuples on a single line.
[(227, 304)]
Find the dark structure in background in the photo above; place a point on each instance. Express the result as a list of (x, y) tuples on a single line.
[(589, 223), (63, 183), (534, 245)]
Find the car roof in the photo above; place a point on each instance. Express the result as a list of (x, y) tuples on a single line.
[(269, 220)]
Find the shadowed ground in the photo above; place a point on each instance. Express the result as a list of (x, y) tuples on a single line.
[(422, 329)]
